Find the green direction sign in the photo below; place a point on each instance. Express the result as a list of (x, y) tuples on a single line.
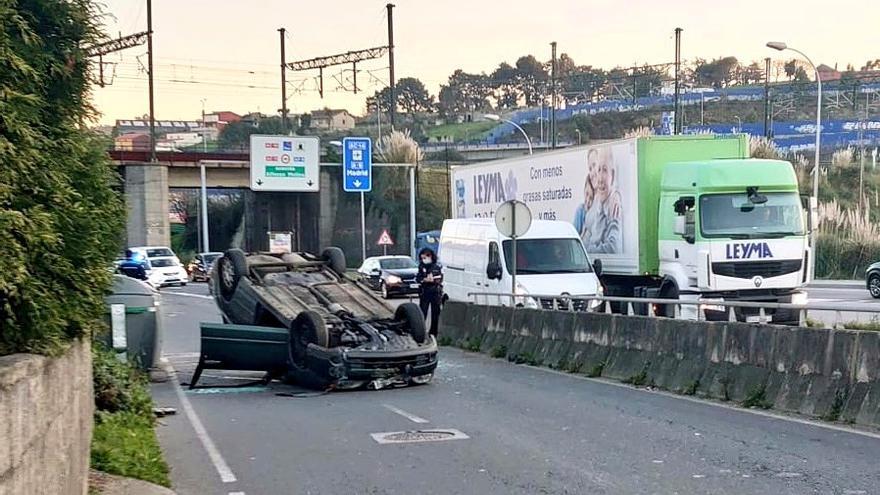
[(285, 171)]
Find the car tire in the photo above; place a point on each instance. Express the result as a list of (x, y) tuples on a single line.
[(384, 289), (335, 259), (231, 267), (183, 284), (307, 328), (874, 285), (414, 321)]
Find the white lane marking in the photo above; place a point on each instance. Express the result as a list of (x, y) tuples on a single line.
[(704, 402), (236, 493), (187, 294), (226, 474), (410, 416)]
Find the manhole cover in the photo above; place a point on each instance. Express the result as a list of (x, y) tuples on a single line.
[(417, 436)]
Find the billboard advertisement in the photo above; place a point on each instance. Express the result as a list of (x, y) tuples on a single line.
[(593, 187)]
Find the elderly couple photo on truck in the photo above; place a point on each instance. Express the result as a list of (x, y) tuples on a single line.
[(599, 218)]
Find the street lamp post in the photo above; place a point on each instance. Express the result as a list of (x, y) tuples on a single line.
[(206, 244), (778, 45), (497, 118), (739, 123)]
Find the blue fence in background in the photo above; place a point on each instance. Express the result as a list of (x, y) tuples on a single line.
[(789, 136)]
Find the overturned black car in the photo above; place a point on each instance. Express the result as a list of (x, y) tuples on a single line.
[(297, 315)]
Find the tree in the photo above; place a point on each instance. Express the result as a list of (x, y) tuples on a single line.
[(718, 73), (382, 99), (505, 90), (531, 79), (464, 92), (791, 68), (800, 75), (60, 216), (412, 96), (751, 74)]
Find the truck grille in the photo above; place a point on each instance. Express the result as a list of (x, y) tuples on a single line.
[(749, 269)]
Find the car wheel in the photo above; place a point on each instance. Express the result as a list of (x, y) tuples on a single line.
[(384, 289), (307, 328), (183, 284), (335, 258), (414, 321), (232, 266), (874, 285)]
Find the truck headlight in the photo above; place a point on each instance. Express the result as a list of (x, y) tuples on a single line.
[(799, 298)]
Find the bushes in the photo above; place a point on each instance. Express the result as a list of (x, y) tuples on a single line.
[(123, 442), (848, 242), (60, 219)]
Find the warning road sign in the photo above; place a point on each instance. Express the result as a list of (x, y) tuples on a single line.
[(385, 239)]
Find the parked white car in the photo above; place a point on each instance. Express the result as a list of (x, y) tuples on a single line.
[(166, 270), (163, 266)]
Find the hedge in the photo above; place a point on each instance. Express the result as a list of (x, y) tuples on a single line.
[(60, 216)]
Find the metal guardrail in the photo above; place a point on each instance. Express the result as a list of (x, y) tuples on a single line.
[(585, 303)]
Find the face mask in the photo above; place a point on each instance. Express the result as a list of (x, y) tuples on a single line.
[(426, 260)]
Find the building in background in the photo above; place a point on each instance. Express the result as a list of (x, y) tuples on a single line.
[(219, 120), (332, 120)]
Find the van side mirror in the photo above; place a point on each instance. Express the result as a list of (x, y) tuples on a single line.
[(493, 271), (597, 267)]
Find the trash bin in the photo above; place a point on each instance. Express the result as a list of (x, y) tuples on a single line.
[(133, 316)]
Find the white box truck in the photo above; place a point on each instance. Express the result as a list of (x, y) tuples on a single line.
[(680, 217)]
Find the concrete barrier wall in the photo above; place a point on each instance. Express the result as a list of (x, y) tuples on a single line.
[(830, 374), (46, 414)]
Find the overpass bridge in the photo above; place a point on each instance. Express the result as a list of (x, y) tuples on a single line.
[(330, 217)]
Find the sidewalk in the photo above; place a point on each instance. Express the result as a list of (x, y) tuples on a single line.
[(108, 484)]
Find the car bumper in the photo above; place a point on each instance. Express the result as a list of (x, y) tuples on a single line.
[(345, 364), (402, 289)]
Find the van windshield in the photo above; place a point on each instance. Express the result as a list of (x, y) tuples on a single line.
[(542, 256)]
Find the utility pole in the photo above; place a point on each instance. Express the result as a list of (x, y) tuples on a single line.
[(390, 8), (553, 96), (282, 32), (677, 104), (862, 129), (150, 79), (767, 97)]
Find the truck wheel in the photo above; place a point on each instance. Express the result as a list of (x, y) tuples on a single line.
[(232, 266), (335, 258), (874, 285), (414, 321), (668, 291), (309, 327)]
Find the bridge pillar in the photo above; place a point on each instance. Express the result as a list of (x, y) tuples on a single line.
[(146, 198)]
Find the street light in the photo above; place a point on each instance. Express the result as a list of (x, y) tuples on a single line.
[(778, 45), (578, 132), (497, 118), (739, 123)]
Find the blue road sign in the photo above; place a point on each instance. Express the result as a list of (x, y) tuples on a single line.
[(357, 164)]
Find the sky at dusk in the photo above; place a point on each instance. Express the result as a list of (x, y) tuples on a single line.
[(225, 53)]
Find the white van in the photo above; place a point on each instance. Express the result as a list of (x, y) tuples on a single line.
[(551, 260)]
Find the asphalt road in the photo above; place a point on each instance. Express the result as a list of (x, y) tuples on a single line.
[(528, 431)]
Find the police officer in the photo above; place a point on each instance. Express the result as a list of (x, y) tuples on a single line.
[(132, 267), (430, 279)]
